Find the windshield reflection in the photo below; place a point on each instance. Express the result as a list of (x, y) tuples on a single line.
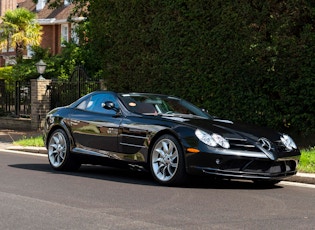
[(151, 104)]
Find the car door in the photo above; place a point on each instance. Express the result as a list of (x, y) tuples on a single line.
[(95, 128)]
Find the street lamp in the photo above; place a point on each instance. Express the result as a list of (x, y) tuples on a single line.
[(41, 67)]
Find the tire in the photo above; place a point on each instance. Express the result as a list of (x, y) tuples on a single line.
[(167, 161), (59, 155)]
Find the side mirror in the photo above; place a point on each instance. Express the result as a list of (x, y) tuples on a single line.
[(109, 105)]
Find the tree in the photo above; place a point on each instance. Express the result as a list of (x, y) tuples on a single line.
[(19, 29)]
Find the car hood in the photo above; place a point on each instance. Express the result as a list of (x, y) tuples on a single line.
[(229, 129)]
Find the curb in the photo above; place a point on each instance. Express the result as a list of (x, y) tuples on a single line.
[(306, 178), (40, 150)]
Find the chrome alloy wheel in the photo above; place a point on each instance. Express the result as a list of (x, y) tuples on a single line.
[(165, 160), (57, 149)]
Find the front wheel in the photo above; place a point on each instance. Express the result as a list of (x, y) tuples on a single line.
[(167, 161), (59, 155)]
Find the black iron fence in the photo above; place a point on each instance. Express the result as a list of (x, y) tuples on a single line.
[(65, 92), (15, 98)]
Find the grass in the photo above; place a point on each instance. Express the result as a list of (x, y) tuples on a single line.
[(31, 141), (307, 160)]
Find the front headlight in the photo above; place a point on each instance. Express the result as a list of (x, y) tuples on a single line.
[(212, 139), (288, 142)]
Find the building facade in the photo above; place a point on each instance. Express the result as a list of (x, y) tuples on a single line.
[(55, 26)]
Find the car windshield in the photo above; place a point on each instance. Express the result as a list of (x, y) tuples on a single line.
[(150, 104)]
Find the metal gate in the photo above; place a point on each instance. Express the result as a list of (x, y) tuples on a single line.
[(65, 92), (15, 98)]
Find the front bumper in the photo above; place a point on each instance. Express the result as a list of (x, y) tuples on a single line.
[(242, 166)]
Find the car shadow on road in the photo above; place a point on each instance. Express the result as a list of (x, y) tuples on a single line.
[(144, 178)]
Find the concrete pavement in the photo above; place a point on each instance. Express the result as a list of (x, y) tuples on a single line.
[(8, 136)]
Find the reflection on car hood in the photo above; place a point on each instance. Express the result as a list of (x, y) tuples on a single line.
[(228, 128)]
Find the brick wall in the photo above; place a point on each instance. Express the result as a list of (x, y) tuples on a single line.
[(51, 38), (15, 123), (7, 5), (40, 100)]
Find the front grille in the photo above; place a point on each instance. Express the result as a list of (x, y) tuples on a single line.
[(255, 166), (241, 144)]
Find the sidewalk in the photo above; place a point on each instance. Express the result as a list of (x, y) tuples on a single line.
[(8, 136)]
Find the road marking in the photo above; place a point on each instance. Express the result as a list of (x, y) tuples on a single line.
[(23, 153)]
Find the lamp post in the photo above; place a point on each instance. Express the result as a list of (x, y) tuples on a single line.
[(41, 67)]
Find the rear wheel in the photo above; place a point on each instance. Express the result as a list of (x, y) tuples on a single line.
[(59, 155), (167, 161)]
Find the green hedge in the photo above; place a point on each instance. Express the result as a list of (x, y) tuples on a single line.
[(251, 60), (6, 73)]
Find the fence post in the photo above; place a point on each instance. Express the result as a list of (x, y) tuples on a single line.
[(40, 102)]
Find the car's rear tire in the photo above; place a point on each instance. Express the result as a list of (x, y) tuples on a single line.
[(167, 161), (59, 154)]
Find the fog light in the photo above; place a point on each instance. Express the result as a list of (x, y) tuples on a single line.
[(218, 161)]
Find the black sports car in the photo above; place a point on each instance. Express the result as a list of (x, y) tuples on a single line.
[(166, 135)]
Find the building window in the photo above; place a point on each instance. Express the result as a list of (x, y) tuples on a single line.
[(40, 5), (30, 52), (74, 34), (64, 34)]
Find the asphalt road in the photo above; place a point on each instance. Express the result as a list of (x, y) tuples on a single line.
[(33, 196)]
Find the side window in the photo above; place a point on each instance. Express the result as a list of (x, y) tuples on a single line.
[(96, 101)]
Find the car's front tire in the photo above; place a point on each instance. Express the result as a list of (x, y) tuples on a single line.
[(59, 154), (167, 161)]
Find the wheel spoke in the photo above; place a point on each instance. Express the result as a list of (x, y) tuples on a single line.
[(56, 139), (165, 147), (61, 140), (164, 172), (170, 170), (161, 152), (171, 149), (159, 160)]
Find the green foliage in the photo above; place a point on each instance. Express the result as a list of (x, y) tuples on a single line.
[(307, 161), (24, 70), (6, 73), (59, 66), (19, 29), (245, 60)]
